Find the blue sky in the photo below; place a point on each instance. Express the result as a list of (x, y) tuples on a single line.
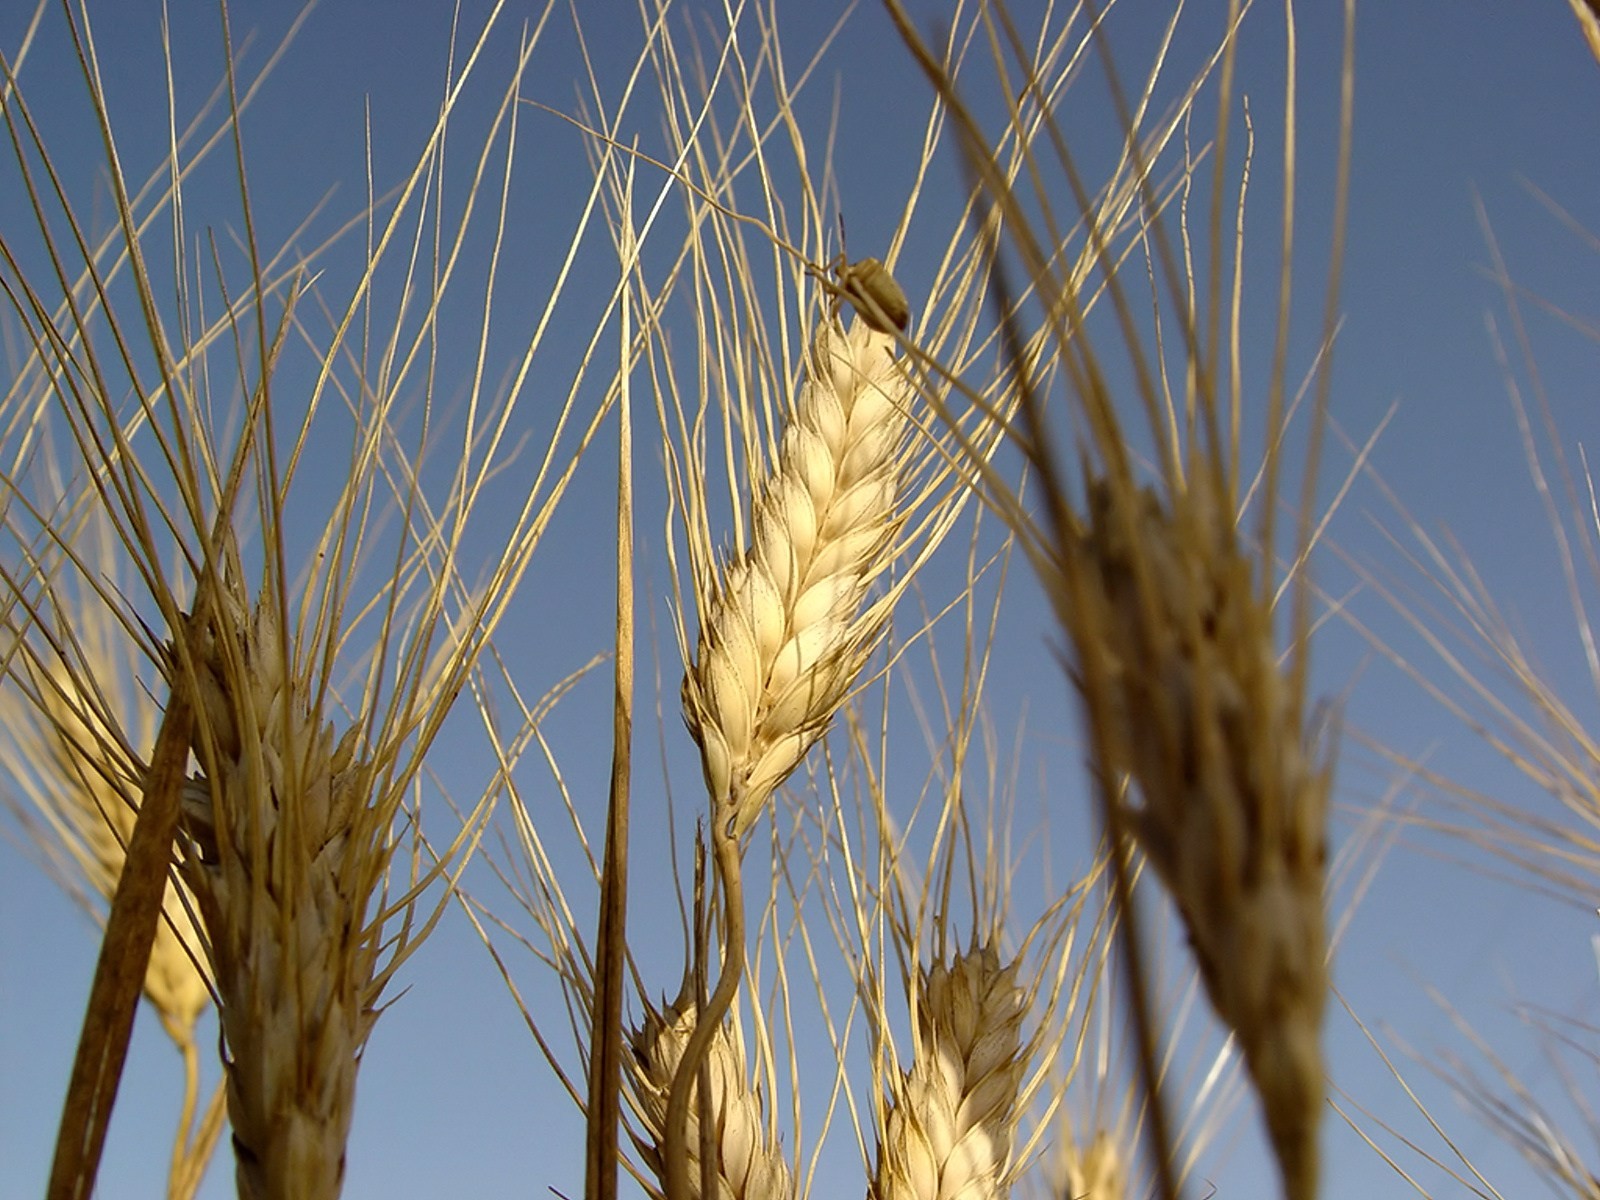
[(1458, 108)]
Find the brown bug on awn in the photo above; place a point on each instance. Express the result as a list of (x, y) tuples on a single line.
[(872, 292), (875, 293)]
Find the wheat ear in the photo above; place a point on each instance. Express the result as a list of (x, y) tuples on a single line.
[(952, 1116), (1096, 1170), (749, 1164), (784, 635), (1191, 703), (85, 788), (285, 851)]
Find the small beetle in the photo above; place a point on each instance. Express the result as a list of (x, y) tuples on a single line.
[(872, 292)]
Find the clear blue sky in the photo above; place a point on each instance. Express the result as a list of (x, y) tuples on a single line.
[(1456, 104)]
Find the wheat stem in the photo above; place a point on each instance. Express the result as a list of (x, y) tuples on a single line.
[(675, 1137)]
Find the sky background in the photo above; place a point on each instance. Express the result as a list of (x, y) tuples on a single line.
[(1465, 115)]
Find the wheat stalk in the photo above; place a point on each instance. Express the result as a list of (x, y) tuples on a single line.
[(748, 1164), (954, 1113), (784, 635)]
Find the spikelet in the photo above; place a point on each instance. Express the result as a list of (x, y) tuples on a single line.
[(783, 636), (952, 1116), (1231, 796), (279, 861), (750, 1165), (1096, 1171)]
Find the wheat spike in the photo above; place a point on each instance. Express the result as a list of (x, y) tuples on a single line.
[(1231, 799), (784, 635), (282, 858), (749, 1164), (1096, 1171), (84, 786), (99, 796), (952, 1116)]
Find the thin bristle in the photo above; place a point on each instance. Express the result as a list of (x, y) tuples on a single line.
[(954, 1113), (749, 1164), (785, 637)]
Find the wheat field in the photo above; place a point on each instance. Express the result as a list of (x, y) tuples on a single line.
[(790, 601)]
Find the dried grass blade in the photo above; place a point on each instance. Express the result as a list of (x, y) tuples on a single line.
[(611, 941)]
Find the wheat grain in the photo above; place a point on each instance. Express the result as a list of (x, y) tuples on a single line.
[(1192, 705), (784, 635), (282, 856), (749, 1164), (953, 1114)]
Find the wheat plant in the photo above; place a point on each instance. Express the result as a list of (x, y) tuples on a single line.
[(1202, 750), (308, 695)]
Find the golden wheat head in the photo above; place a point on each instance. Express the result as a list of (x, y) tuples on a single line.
[(60, 748), (954, 1113), (750, 1165), (785, 635)]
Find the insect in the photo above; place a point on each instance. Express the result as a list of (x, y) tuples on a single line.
[(868, 286), (872, 292)]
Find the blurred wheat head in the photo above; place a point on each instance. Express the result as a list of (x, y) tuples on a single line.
[(1202, 748), (309, 694)]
